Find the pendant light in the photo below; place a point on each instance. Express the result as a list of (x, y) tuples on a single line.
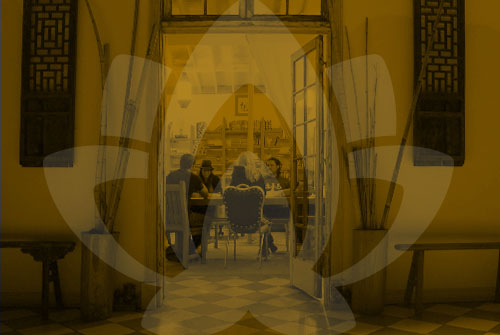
[(184, 91)]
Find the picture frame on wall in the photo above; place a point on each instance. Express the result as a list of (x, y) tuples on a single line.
[(242, 105)]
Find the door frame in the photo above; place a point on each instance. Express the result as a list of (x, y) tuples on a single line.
[(324, 28)]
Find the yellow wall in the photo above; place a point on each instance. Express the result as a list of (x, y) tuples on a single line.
[(471, 206), (28, 210)]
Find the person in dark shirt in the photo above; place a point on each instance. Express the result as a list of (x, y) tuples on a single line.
[(194, 184), (210, 180), (212, 183), (239, 177), (274, 164)]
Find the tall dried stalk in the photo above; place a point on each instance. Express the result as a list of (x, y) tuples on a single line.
[(129, 112), (128, 123), (108, 206), (101, 192), (364, 156), (409, 121)]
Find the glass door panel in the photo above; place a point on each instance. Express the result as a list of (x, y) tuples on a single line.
[(298, 83), (311, 108), (304, 7), (311, 133), (299, 104), (226, 7), (276, 7), (188, 7), (307, 167)]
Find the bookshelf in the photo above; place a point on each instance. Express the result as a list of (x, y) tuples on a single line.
[(224, 144)]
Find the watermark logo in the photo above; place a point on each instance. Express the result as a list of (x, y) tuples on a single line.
[(424, 188)]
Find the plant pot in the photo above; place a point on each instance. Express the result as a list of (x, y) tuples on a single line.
[(97, 285), (368, 293)]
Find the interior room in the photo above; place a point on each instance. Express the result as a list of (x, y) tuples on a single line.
[(249, 167)]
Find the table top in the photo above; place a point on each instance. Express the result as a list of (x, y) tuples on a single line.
[(216, 200)]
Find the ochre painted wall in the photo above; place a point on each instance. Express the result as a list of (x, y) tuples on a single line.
[(28, 210), (471, 206)]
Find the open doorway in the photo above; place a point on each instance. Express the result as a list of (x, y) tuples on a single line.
[(232, 93)]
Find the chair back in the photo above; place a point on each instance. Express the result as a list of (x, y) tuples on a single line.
[(176, 211), (244, 207)]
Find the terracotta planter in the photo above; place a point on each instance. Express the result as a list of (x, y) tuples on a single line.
[(96, 294), (368, 293)]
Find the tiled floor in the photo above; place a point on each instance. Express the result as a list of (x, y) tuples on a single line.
[(247, 299), (300, 318)]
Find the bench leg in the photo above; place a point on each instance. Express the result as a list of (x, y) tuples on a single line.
[(497, 291), (54, 277), (411, 280), (419, 285), (45, 290)]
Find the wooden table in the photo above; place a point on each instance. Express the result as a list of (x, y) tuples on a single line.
[(416, 276), (216, 200), (47, 252)]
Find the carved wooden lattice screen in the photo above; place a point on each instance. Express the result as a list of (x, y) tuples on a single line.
[(440, 115), (48, 82)]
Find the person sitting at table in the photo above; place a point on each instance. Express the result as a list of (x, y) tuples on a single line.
[(193, 184), (210, 180), (275, 177), (246, 172), (274, 165)]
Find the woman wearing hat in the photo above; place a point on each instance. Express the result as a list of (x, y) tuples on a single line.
[(211, 181)]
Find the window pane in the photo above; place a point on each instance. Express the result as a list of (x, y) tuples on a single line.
[(188, 7), (311, 103), (299, 108), (305, 7), (299, 74), (310, 171), (226, 7), (312, 67), (299, 140), (311, 138), (277, 7)]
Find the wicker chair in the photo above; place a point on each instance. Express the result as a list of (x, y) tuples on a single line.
[(244, 212)]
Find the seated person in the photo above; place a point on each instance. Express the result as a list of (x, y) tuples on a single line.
[(210, 180), (193, 185), (274, 164), (246, 172)]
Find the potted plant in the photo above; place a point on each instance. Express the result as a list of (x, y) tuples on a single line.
[(368, 293), (99, 244)]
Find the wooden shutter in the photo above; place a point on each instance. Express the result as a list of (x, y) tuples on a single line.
[(48, 82), (439, 122)]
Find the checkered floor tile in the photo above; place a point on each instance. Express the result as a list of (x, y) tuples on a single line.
[(268, 314), (244, 298)]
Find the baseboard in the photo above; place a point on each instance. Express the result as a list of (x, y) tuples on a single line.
[(33, 300), (474, 294)]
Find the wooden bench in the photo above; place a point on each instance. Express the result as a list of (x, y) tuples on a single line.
[(48, 253), (416, 276)]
